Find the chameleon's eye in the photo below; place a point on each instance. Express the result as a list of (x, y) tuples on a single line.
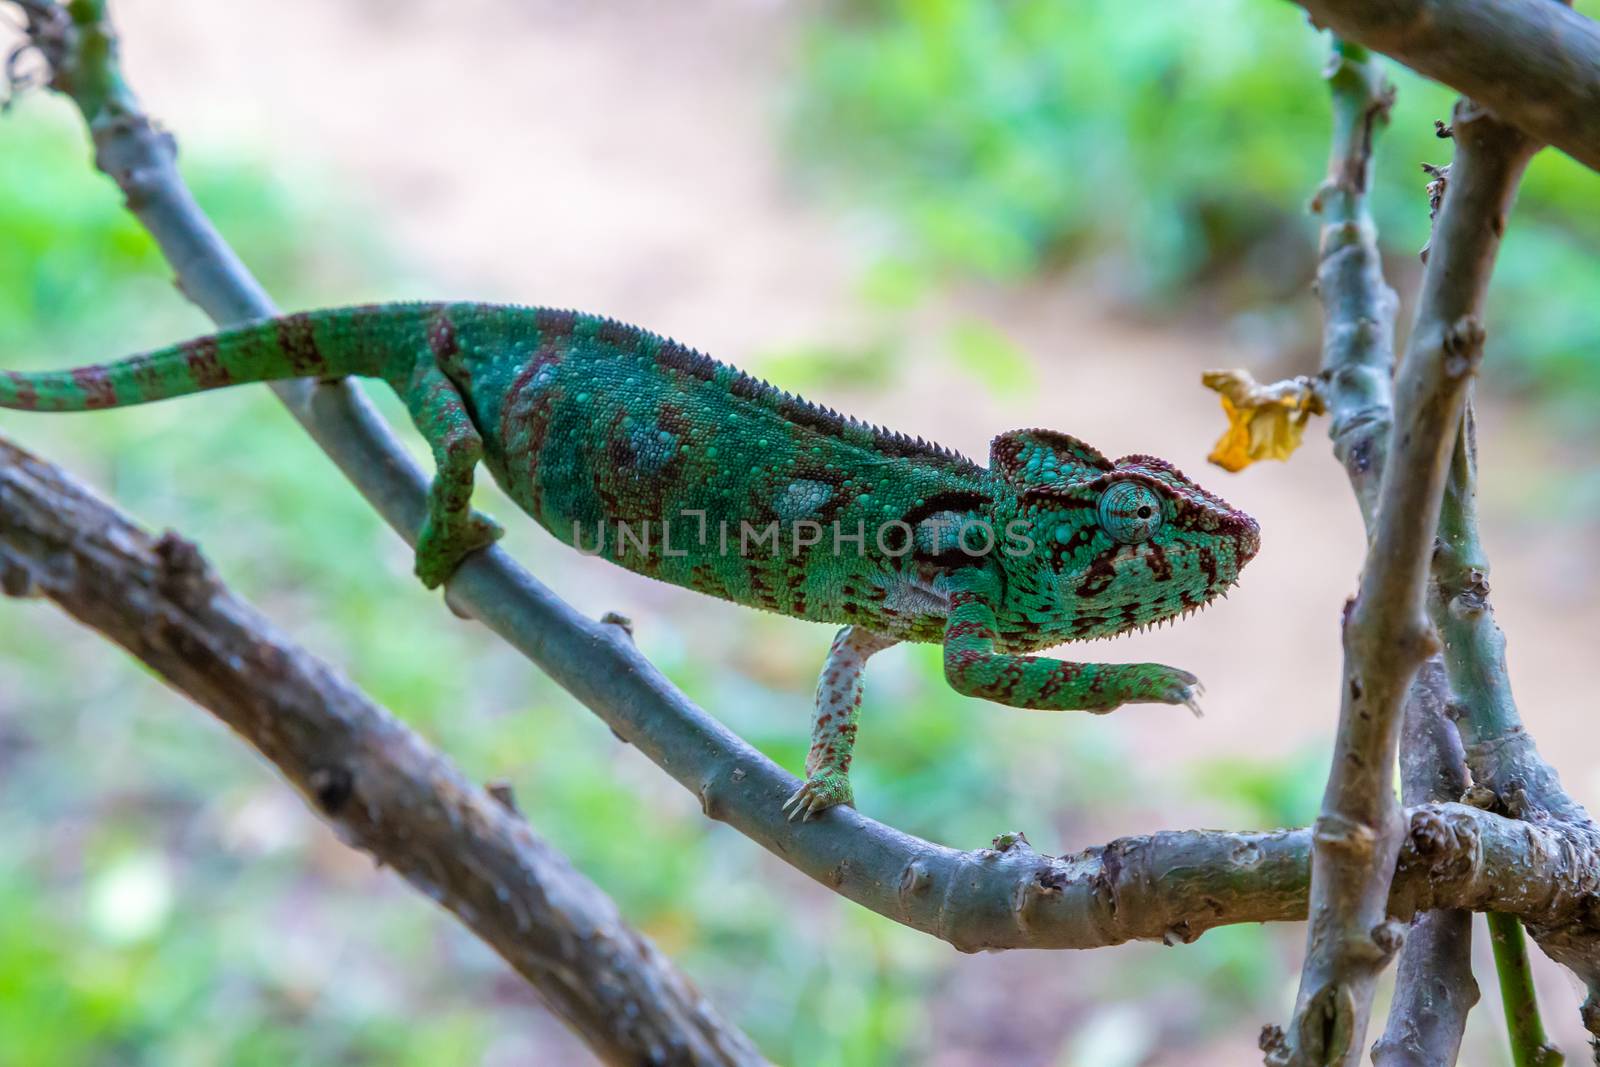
[(1130, 512)]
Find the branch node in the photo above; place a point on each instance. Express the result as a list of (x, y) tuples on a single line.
[(16, 580), (1388, 936), (1011, 840), (332, 788), (620, 621), (500, 789), (1345, 834)]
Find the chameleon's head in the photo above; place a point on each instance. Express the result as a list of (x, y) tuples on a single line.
[(1117, 546)]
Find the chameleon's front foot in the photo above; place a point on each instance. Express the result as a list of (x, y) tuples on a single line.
[(440, 549), (1156, 683), (823, 790)]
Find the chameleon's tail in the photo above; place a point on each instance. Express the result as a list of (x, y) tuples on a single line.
[(317, 344)]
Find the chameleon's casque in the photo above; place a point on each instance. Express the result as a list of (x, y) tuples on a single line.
[(668, 463)]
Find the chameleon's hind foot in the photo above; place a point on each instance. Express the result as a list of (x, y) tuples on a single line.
[(440, 549), (823, 790)]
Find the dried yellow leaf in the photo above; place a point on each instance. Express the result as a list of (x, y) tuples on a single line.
[(1264, 421)]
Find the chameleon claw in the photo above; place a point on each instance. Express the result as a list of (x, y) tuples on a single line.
[(1193, 704), (822, 791)]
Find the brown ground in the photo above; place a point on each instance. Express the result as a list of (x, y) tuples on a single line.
[(619, 155)]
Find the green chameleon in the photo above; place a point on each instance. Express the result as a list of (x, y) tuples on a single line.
[(630, 446)]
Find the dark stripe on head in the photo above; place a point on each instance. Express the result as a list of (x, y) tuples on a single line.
[(1155, 557), (952, 500), (1099, 574)]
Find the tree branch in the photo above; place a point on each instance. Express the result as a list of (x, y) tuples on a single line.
[(1434, 988), (380, 786), (1534, 63), (1387, 636)]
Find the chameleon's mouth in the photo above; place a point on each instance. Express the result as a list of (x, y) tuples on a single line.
[(1245, 534)]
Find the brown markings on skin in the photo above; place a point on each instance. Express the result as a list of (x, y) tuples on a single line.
[(26, 392), (1100, 573), (703, 578), (1063, 674), (1087, 624), (616, 334), (445, 344), (296, 342), (205, 366), (1080, 539), (969, 629), (1208, 564), (555, 324), (812, 416), (96, 386), (525, 417), (673, 356), (763, 593), (1155, 557), (795, 587)]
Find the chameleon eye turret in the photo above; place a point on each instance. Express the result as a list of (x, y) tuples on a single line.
[(1130, 512)]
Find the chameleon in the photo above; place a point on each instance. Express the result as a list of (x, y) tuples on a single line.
[(630, 446)]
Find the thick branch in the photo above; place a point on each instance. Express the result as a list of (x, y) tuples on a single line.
[(1534, 63), (380, 785), (1386, 635)]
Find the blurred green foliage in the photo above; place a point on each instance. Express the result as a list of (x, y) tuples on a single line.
[(1168, 157)]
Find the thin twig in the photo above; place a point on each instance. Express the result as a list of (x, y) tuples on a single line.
[(1532, 62), (1529, 1046), (1524, 1028), (380, 786)]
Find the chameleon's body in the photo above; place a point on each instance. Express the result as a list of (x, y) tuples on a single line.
[(681, 468)]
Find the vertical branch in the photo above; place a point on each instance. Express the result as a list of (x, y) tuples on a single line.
[(1387, 636), (1358, 306), (1434, 988), (1509, 774)]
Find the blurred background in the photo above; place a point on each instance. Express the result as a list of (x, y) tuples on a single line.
[(951, 216)]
